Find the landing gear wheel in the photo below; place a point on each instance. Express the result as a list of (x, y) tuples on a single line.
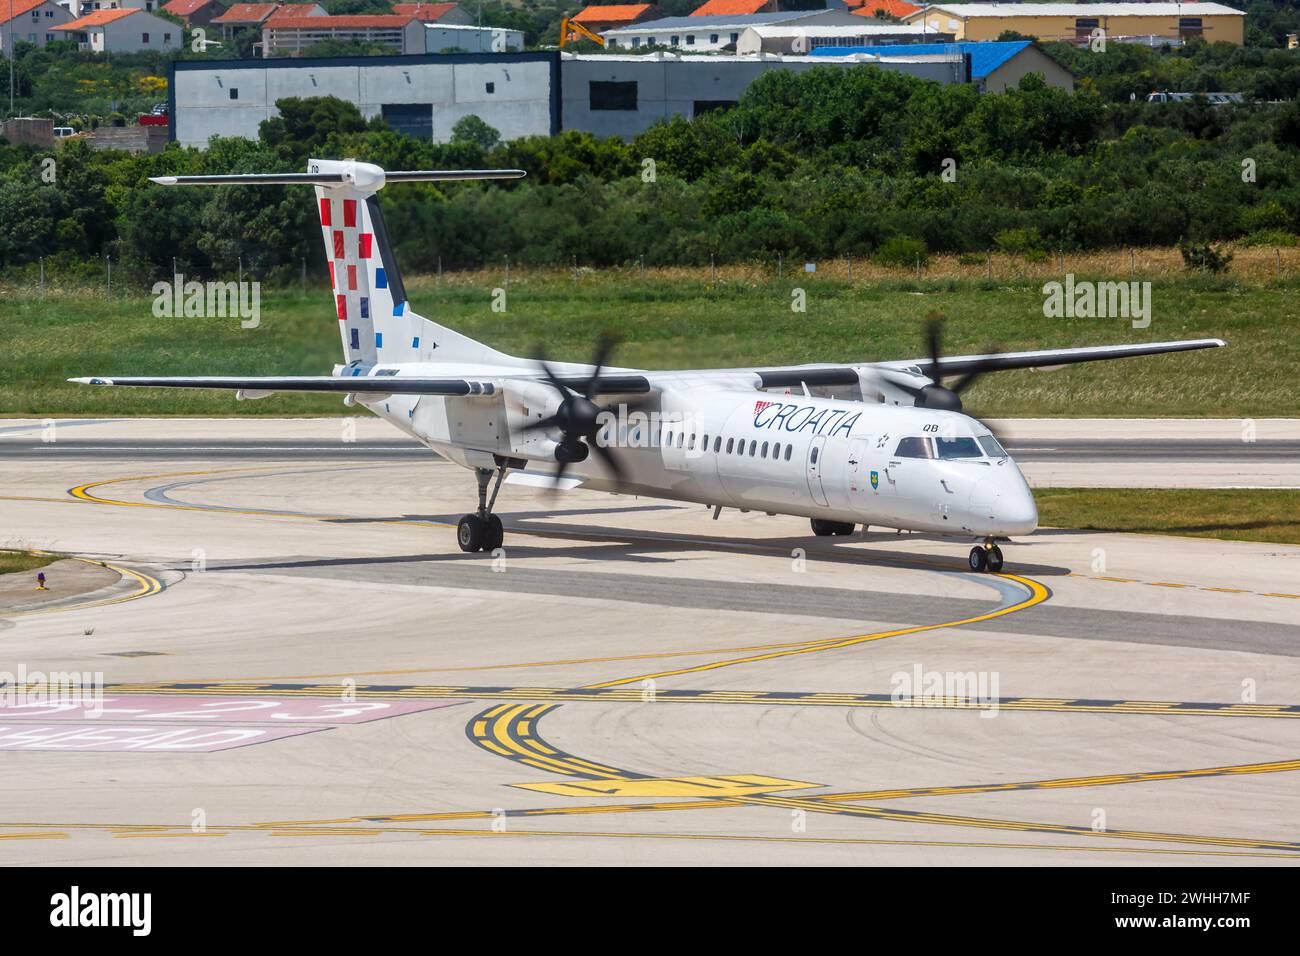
[(994, 558), (470, 533), (493, 534), (979, 558), (822, 527)]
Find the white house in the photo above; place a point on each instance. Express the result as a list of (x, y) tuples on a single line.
[(124, 30), (31, 21), (80, 8)]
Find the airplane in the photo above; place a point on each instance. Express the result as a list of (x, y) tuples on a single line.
[(902, 455)]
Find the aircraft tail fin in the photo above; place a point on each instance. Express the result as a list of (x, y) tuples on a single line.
[(376, 323)]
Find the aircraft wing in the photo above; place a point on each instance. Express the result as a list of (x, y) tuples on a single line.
[(1049, 358), (381, 384), (795, 375)]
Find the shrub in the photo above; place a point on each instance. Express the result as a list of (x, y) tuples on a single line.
[(1018, 242), (1204, 257), (903, 251)]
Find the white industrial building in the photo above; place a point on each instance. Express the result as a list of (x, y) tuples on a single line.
[(519, 94), (421, 95), (796, 38), (457, 38), (707, 34)]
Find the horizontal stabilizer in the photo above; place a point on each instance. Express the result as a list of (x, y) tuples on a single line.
[(362, 175), (385, 385)]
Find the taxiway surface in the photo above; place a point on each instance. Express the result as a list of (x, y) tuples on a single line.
[(299, 665)]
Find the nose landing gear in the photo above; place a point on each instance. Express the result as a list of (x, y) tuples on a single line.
[(986, 557)]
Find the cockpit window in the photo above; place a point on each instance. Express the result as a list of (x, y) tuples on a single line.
[(914, 448), (958, 448), (992, 447)]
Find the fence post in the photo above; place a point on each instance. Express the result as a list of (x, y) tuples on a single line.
[(507, 269), (849, 260), (1277, 257), (108, 265), (713, 270), (439, 281), (42, 277), (780, 266), (988, 262), (1132, 263), (303, 276)]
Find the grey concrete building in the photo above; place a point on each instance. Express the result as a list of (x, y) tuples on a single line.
[(422, 95), (519, 94)]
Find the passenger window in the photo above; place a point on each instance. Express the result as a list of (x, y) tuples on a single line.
[(776, 450), (763, 453), (914, 448), (690, 445), (788, 449), (731, 443), (753, 446), (704, 445), (812, 458), (717, 444), (681, 437), (958, 448), (669, 442)]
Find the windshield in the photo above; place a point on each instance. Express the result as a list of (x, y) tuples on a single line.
[(914, 448), (992, 447), (958, 448)]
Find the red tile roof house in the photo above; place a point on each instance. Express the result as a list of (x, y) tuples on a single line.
[(243, 16), (599, 18), (894, 8), (292, 35), (732, 8), (122, 31), (32, 21), (195, 13), (449, 13)]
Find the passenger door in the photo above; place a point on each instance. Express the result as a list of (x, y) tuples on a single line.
[(816, 451)]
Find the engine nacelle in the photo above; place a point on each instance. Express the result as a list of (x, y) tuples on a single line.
[(526, 403)]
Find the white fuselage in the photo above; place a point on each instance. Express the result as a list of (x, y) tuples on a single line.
[(780, 453)]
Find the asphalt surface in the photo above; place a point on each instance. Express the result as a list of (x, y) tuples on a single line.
[(297, 649)]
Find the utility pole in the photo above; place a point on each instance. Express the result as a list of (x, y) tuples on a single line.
[(9, 54)]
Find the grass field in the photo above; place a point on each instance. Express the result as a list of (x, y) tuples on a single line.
[(11, 561), (1233, 514), (683, 318)]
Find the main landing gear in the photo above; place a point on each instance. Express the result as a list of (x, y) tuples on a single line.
[(986, 557), (482, 530), (822, 528)]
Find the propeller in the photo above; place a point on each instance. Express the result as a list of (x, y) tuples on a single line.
[(578, 417), (937, 395), (946, 398)]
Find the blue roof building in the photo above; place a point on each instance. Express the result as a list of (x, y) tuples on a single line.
[(995, 65)]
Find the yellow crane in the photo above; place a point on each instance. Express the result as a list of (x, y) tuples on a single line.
[(571, 31)]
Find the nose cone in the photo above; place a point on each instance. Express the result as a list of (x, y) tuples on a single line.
[(1016, 511), (1003, 504)]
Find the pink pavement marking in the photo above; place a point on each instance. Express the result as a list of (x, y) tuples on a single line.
[(127, 723), (141, 737), (321, 711)]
